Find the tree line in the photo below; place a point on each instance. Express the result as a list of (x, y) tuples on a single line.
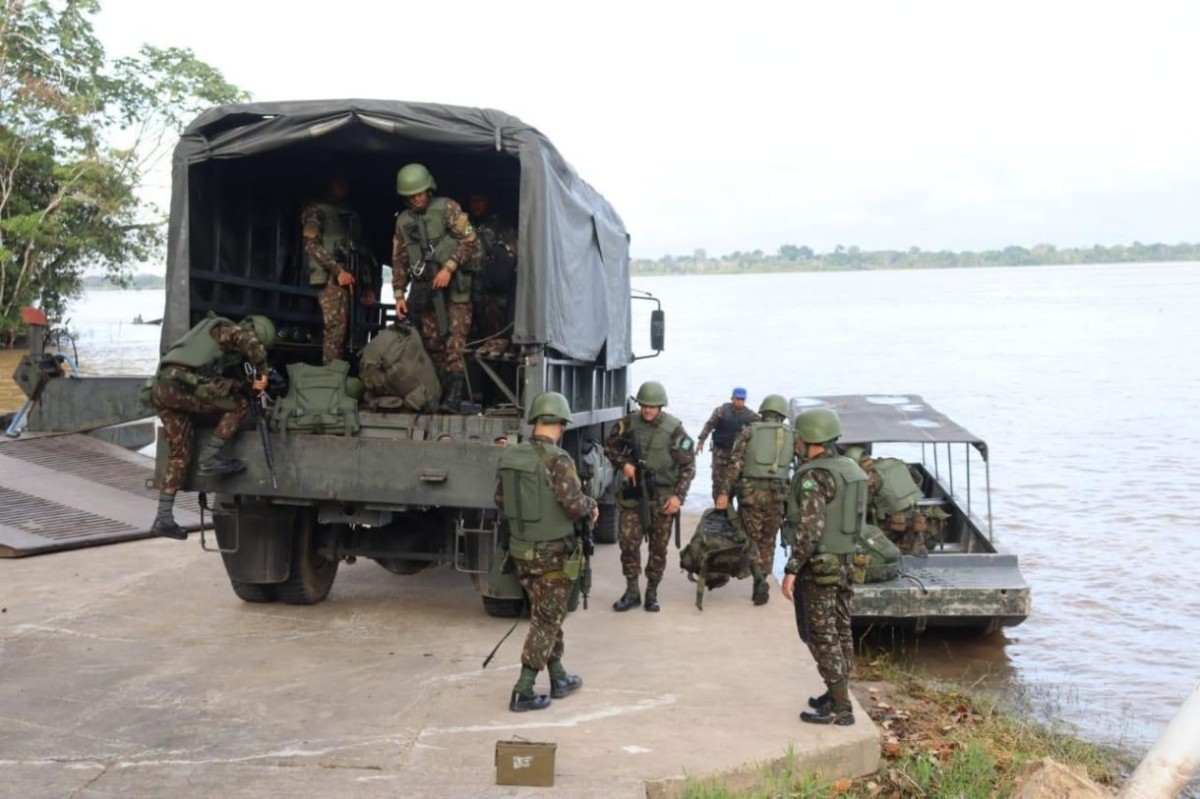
[(793, 258), (79, 131)]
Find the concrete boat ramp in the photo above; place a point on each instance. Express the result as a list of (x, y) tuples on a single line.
[(133, 670)]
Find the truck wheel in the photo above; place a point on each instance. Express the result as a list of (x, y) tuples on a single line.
[(503, 608), (311, 574), (254, 592), (606, 525)]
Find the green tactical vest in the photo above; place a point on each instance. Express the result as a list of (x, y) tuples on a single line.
[(529, 502), (845, 515), (654, 440), (198, 350), (436, 233), (335, 238), (898, 491), (768, 452)]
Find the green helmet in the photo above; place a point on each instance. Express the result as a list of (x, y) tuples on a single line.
[(414, 179), (855, 452), (354, 388), (549, 406), (774, 403), (263, 327), (817, 426), (652, 393)]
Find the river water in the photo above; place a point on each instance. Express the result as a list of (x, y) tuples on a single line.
[(1083, 381)]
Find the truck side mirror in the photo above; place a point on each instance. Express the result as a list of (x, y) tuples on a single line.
[(658, 329)]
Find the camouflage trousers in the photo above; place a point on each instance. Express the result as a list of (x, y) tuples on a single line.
[(446, 352), (823, 621), (914, 531), (629, 536), (335, 315), (549, 590), (177, 402), (761, 514), (720, 463)]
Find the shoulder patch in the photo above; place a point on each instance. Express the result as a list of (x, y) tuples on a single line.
[(808, 484), (686, 444)]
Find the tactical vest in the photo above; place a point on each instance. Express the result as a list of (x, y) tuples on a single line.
[(898, 491), (335, 238), (768, 452), (729, 424), (845, 514), (533, 511), (654, 440), (436, 234), (198, 351)]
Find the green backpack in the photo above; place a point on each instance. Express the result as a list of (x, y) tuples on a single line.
[(316, 401), (394, 364), (719, 551), (876, 558)]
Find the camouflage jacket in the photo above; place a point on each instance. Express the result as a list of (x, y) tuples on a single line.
[(737, 462), (818, 488), (683, 453), (458, 225), (725, 413), (564, 482)]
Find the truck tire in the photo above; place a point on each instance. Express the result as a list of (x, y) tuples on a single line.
[(311, 574), (254, 592), (503, 608), (606, 525)]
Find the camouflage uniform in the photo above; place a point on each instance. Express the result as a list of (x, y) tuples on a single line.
[(724, 424), (540, 567), (445, 352), (761, 503), (630, 532), (908, 527), (324, 269), (822, 611), (179, 393)]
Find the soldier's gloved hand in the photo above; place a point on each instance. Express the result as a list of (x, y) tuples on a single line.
[(260, 383), (368, 297), (442, 278), (630, 472), (345, 279), (722, 502), (671, 506)]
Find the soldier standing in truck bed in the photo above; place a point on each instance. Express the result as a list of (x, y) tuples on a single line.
[(726, 422), (337, 259), (433, 239)]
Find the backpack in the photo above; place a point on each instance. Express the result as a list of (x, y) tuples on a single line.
[(876, 558), (316, 401), (499, 268), (395, 364), (719, 550)]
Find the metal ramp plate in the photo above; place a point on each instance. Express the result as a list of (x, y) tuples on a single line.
[(71, 491)]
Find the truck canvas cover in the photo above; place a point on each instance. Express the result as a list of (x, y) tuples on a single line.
[(573, 250)]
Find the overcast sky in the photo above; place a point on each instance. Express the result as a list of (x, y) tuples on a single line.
[(748, 125)]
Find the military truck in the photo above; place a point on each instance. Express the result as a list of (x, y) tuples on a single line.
[(408, 490)]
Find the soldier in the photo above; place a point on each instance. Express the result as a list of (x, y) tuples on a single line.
[(494, 275), (433, 238), (191, 380), (726, 422), (655, 443), (826, 506), (892, 504), (333, 249), (758, 468), (538, 488)]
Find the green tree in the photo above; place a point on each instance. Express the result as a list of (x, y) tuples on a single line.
[(78, 134)]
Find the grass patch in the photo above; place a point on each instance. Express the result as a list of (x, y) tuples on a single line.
[(937, 741)]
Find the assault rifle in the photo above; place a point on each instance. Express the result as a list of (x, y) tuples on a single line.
[(258, 409), (585, 539), (645, 485)]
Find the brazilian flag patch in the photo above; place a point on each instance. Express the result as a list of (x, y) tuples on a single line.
[(686, 444), (808, 485)]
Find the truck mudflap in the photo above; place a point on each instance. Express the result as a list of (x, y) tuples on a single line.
[(255, 539)]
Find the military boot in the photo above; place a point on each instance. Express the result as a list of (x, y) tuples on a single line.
[(562, 683), (820, 702), (210, 461), (652, 597), (631, 598), (762, 592), (839, 711), (523, 698), (452, 398), (164, 521)]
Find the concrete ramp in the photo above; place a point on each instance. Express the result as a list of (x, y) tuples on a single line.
[(68, 491)]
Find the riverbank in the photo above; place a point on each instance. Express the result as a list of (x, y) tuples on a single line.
[(948, 741)]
